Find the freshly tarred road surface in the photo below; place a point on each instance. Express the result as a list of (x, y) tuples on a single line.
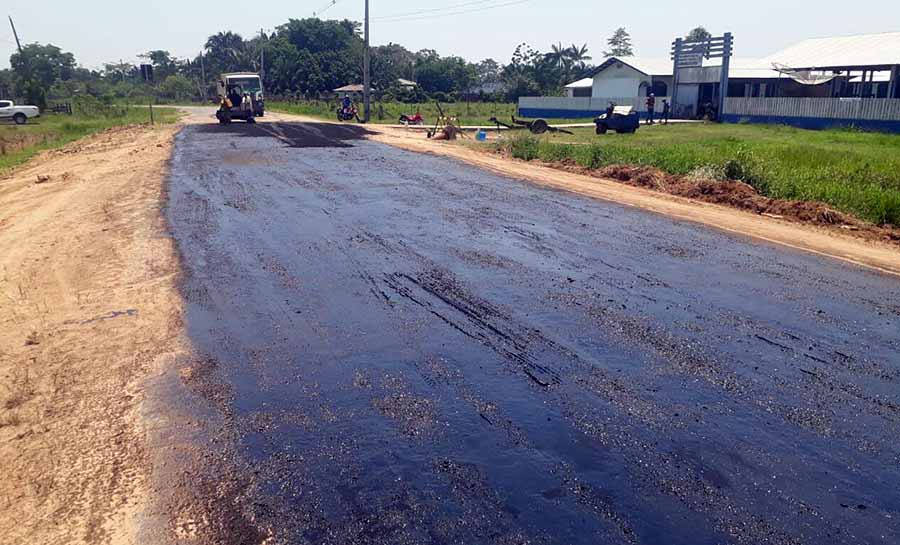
[(401, 349)]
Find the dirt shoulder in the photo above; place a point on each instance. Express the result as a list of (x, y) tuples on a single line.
[(88, 309), (874, 254)]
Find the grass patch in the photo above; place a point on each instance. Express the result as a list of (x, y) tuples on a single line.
[(18, 143), (855, 172), (473, 113)]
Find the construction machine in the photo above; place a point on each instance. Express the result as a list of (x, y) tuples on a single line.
[(240, 97)]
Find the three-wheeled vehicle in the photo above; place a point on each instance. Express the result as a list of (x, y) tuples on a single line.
[(622, 119), (231, 89)]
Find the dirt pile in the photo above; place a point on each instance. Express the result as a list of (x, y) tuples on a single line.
[(737, 195)]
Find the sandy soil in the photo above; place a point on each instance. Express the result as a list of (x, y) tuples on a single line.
[(88, 309)]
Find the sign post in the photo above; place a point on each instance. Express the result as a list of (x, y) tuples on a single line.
[(147, 75), (687, 54)]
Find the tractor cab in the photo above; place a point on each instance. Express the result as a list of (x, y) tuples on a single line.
[(231, 89)]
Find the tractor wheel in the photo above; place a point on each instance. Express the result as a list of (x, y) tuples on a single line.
[(538, 126), (20, 118), (601, 129)]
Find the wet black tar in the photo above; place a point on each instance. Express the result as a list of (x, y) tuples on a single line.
[(405, 349)]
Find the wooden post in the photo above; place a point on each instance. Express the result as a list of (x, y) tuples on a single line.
[(723, 82), (675, 71), (895, 75), (366, 77), (15, 34)]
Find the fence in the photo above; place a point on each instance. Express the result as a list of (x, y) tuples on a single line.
[(868, 113), (579, 107)]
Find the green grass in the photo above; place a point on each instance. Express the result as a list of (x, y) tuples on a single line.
[(473, 113), (18, 143), (853, 171)]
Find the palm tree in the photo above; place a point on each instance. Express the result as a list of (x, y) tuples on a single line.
[(227, 49), (579, 55), (558, 55)]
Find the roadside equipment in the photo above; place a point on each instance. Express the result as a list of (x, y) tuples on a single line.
[(240, 97), (622, 119), (445, 128), (536, 126)]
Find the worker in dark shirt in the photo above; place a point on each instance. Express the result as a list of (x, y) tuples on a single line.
[(666, 111), (651, 107)]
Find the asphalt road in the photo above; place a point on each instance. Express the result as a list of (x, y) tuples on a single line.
[(403, 349)]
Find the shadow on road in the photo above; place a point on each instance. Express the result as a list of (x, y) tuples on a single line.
[(296, 135)]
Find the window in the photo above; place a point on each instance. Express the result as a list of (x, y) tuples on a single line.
[(5, 104), (582, 92)]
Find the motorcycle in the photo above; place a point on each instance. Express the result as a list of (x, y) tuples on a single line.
[(348, 114), (415, 119)]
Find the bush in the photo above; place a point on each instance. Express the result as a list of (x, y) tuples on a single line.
[(525, 147)]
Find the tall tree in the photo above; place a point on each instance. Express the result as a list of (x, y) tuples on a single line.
[(558, 55), (619, 44), (579, 56), (37, 67), (164, 65), (699, 34), (226, 52)]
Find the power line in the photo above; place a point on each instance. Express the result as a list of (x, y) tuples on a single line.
[(325, 8), (444, 8), (399, 18)]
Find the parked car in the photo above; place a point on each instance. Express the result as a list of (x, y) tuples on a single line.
[(19, 114)]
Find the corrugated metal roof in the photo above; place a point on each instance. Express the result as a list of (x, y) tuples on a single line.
[(743, 68), (844, 51), (581, 84), (352, 88)]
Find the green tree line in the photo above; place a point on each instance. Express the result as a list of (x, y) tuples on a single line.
[(303, 58)]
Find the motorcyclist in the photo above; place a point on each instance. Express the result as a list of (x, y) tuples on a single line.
[(346, 104)]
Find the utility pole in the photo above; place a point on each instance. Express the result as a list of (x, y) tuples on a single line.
[(262, 55), (202, 77), (16, 34), (366, 77)]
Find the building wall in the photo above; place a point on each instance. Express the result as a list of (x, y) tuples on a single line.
[(816, 113), (580, 108), (618, 80)]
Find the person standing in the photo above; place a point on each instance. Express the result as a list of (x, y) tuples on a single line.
[(651, 107), (665, 112)]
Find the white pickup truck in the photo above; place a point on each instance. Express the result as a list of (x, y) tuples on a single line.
[(19, 114)]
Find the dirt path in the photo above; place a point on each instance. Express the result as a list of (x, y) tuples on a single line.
[(87, 310)]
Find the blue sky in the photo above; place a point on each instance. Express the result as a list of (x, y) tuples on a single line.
[(105, 30)]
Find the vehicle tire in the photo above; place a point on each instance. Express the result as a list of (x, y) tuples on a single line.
[(601, 129), (20, 119), (251, 120), (539, 126)]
